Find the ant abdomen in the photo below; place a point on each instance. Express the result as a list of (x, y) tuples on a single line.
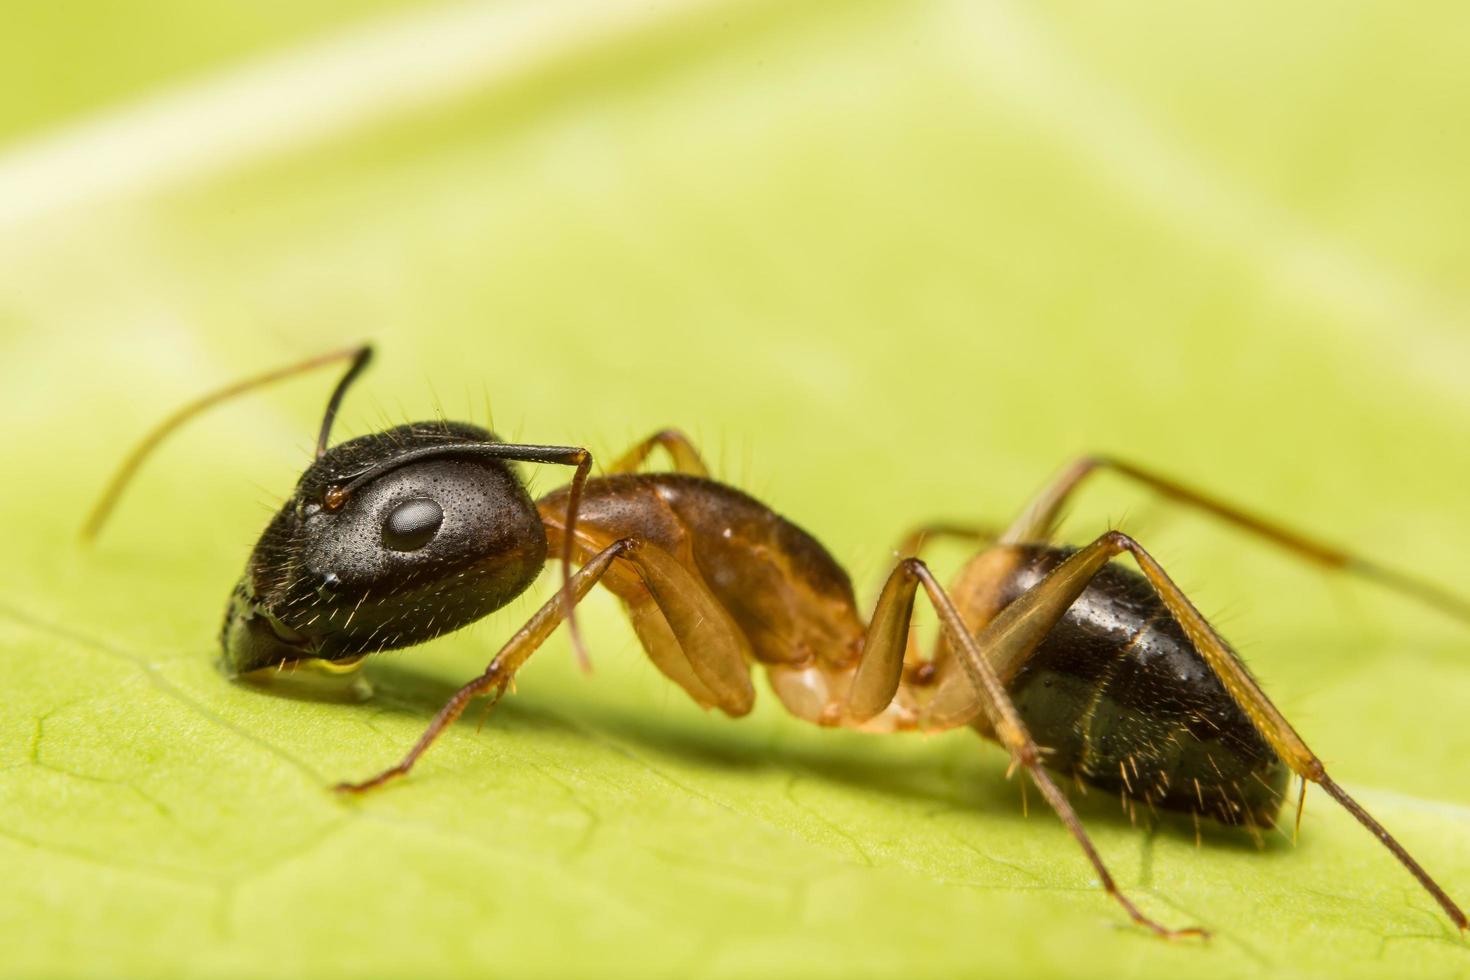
[(1122, 700)]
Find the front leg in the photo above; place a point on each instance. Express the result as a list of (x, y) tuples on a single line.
[(694, 621), (502, 669)]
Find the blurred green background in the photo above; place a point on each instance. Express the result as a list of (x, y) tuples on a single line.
[(887, 262)]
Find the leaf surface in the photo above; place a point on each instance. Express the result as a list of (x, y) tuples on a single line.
[(887, 263)]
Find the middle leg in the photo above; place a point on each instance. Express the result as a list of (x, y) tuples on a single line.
[(879, 675), (678, 446), (911, 545)]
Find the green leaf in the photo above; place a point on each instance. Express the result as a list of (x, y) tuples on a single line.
[(888, 263)]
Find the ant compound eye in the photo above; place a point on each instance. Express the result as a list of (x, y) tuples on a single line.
[(412, 524)]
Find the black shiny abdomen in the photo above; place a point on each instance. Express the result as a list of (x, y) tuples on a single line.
[(1123, 701)]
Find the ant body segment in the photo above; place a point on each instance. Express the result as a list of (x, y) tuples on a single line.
[(394, 538)]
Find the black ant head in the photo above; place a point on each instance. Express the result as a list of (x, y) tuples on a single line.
[(389, 540)]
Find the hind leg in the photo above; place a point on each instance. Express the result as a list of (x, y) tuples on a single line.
[(1038, 521), (1015, 632)]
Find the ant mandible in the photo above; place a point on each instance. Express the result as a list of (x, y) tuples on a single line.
[(394, 538)]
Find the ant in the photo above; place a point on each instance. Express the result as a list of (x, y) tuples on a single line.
[(397, 537)]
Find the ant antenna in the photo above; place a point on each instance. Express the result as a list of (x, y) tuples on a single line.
[(359, 362), (360, 355)]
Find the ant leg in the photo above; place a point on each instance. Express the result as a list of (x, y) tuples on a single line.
[(681, 451), (695, 619), (498, 675), (971, 593), (874, 699), (1008, 727), (1016, 631), (880, 671), (1038, 521), (694, 622), (881, 667), (911, 545)]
